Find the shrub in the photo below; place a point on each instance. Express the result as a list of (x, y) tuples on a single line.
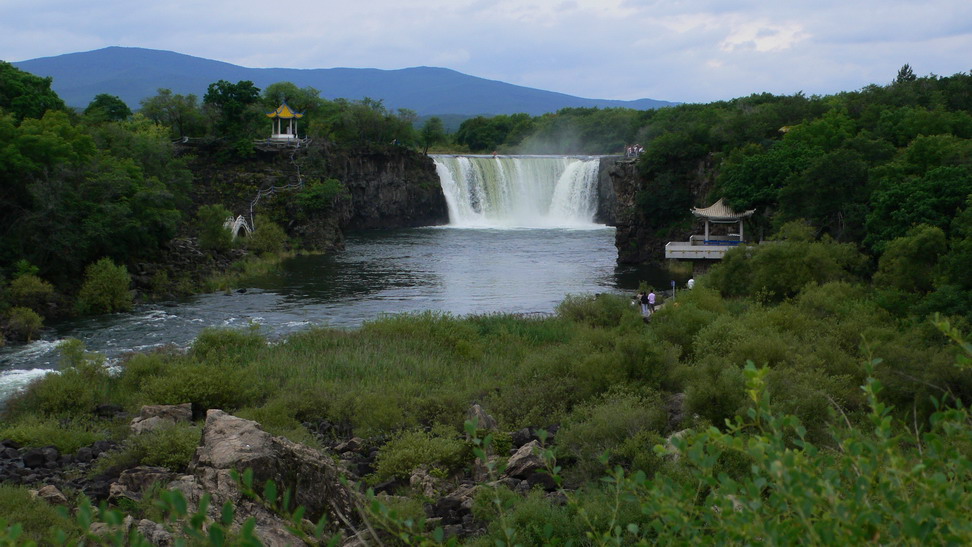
[(105, 288), (679, 324), (544, 388), (371, 413), (139, 368), (401, 455), (778, 270), (67, 435), (30, 291), (602, 426), (81, 384), (227, 346), (530, 520), (908, 263), (171, 447), (596, 310), (223, 387), (714, 390), (23, 324), (40, 521), (318, 196), (279, 417), (213, 236), (267, 237)]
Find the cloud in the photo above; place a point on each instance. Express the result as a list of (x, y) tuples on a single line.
[(763, 36), (686, 50)]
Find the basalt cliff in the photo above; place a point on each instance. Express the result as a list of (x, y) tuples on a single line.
[(382, 187), (641, 236)]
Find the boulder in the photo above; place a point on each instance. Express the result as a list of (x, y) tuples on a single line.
[(351, 445), (52, 495), (676, 410), (152, 417), (525, 461), (543, 479), (482, 419), (35, 457), (230, 444), (466, 495), (154, 533), (422, 481), (672, 452), (132, 482), (522, 437)]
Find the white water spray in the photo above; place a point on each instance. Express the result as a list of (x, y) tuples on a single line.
[(519, 191)]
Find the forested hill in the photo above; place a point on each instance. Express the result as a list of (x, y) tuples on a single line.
[(134, 74)]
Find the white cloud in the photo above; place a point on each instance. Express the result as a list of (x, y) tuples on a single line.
[(690, 50), (763, 36)]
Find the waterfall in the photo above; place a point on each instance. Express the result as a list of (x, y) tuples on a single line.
[(519, 191)]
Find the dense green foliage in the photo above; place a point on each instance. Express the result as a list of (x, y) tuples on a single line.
[(820, 417), (880, 169), (25, 95), (209, 223), (105, 289), (107, 108), (797, 393)]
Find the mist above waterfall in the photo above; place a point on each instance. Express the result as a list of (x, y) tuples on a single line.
[(519, 191)]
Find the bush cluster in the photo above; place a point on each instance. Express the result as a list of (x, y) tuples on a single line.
[(105, 289)]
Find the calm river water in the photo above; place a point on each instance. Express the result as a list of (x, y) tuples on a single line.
[(453, 270)]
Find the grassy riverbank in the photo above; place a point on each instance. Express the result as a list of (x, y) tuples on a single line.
[(614, 388)]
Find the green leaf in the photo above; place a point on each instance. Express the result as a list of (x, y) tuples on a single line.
[(216, 536), (270, 493), (228, 513), (247, 530), (298, 515)]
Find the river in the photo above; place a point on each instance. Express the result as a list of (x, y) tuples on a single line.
[(490, 259)]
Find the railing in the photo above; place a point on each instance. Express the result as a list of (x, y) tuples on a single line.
[(699, 249)]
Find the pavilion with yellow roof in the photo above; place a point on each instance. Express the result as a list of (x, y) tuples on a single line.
[(284, 130)]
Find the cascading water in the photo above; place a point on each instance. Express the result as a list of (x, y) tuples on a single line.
[(519, 191)]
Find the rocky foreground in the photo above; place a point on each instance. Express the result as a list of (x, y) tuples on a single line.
[(325, 483)]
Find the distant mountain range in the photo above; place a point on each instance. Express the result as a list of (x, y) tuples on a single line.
[(136, 73)]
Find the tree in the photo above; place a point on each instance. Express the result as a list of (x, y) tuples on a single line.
[(909, 262), (231, 105), (905, 74), (956, 265), (212, 234), (180, 113), (26, 95), (367, 121), (107, 108), (432, 133), (302, 99), (105, 288)]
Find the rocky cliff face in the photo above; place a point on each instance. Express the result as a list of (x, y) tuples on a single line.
[(388, 187), (393, 188), (640, 238), (606, 199)]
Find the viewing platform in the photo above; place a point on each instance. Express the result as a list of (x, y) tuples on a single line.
[(700, 248), (708, 246)]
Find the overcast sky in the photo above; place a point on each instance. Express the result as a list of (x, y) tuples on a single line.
[(675, 50)]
